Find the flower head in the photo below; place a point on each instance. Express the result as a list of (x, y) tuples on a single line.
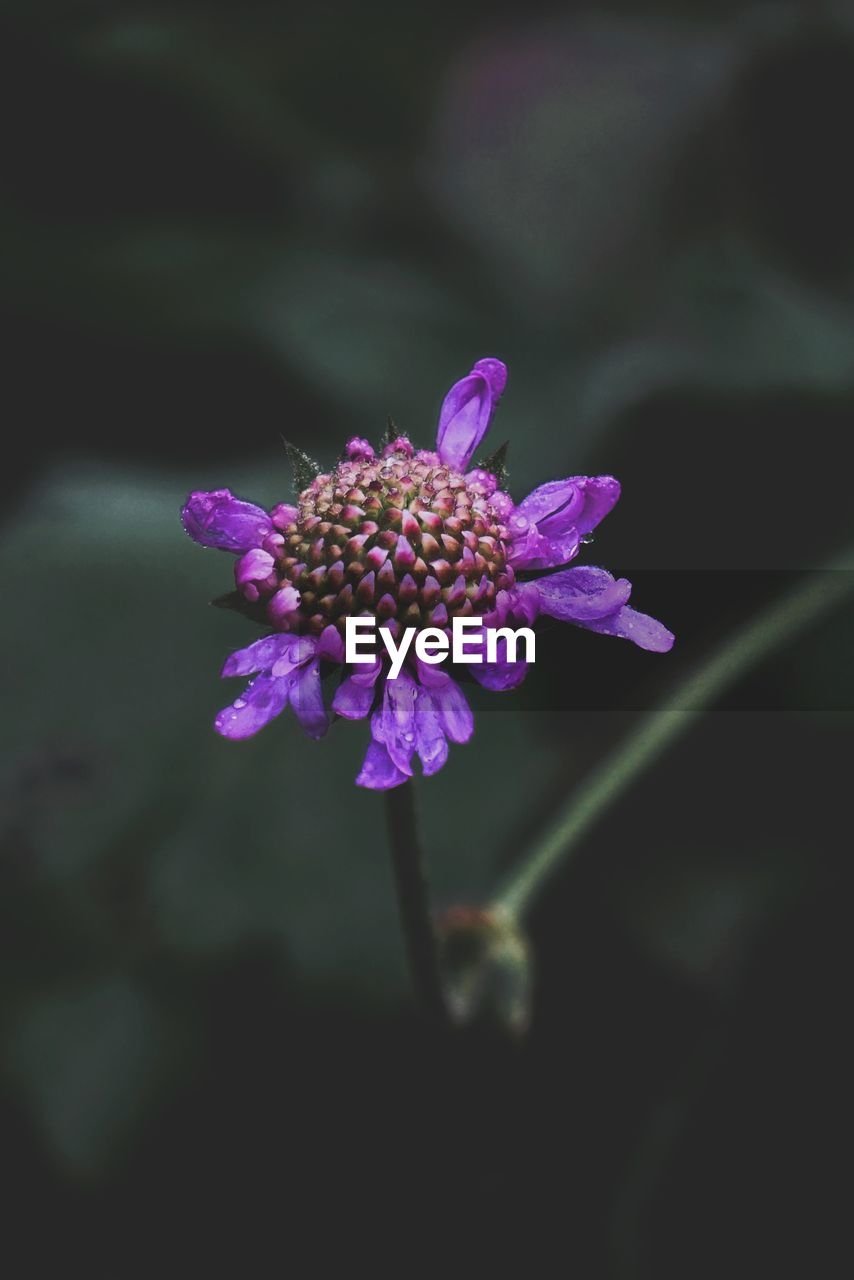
[(413, 539)]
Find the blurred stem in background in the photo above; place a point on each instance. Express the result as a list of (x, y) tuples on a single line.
[(413, 898), (780, 624)]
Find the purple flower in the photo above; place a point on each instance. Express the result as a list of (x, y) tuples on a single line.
[(220, 520), (286, 668), (411, 538), (467, 412), (547, 527)]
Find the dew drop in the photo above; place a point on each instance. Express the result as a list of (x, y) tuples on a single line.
[(239, 703)]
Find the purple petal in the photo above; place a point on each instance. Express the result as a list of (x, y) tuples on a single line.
[(274, 543), (379, 772), (354, 697), (502, 505), (263, 699), (582, 594), (302, 649), (283, 604), (525, 603), (430, 742), (397, 723), (400, 444), (367, 672), (578, 502), (591, 598), (330, 645), (640, 628), (432, 675), (499, 676), (283, 514), (352, 701), (261, 655), (467, 412), (455, 714), (307, 700), (481, 482), (218, 519), (535, 551), (358, 449), (255, 566)]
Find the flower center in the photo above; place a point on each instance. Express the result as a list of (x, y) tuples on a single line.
[(402, 538)]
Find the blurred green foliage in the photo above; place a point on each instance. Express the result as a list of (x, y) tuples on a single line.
[(225, 222)]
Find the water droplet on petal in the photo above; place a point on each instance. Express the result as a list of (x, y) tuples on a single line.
[(239, 703)]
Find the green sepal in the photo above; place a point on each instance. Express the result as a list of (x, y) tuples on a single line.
[(392, 431), (233, 600), (303, 467), (496, 465)]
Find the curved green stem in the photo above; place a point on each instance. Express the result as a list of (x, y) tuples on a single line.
[(413, 898), (777, 626)]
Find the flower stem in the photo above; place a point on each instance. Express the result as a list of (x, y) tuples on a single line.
[(645, 743), (413, 898)]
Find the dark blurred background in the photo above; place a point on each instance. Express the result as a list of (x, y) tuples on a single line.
[(225, 222)]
